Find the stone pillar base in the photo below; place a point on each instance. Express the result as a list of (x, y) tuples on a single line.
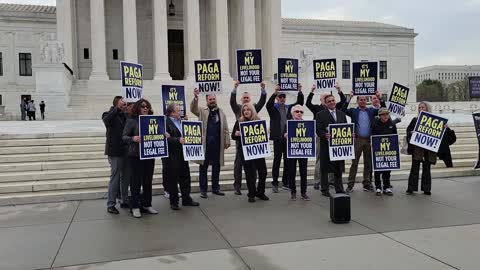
[(53, 83)]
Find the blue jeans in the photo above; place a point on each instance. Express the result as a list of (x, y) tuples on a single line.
[(116, 173)]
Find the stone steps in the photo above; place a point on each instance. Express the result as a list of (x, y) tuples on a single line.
[(99, 177)]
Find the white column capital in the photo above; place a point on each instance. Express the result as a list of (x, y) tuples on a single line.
[(130, 49), (160, 40), (99, 54)]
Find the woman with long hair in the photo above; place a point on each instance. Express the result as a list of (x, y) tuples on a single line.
[(141, 170), (420, 155), (248, 113)]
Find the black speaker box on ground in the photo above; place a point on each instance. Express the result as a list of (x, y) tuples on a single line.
[(340, 208)]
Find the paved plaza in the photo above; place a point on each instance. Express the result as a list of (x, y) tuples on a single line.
[(399, 232)]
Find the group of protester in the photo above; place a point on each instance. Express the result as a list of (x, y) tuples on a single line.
[(29, 108), (129, 172)]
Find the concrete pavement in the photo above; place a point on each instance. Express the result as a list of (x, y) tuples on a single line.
[(441, 231)]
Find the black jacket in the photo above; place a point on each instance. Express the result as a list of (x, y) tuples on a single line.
[(175, 148), (380, 128), (237, 107), (444, 153), (238, 140), (114, 121), (315, 108), (274, 113), (324, 118), (131, 129)]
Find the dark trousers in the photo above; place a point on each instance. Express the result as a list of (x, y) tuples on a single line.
[(337, 177), (237, 169), (415, 173), (43, 115), (142, 176), (31, 115), (291, 167), (251, 169), (385, 177), (215, 176), (179, 177), (279, 150)]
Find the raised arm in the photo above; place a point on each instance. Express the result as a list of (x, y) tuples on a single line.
[(263, 98), (194, 104), (233, 99)]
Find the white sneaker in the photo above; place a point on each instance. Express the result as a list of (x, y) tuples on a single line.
[(378, 191), (388, 192), (136, 213), (151, 210), (166, 194)]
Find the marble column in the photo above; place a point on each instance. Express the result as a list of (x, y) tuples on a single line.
[(9, 70), (191, 36), (221, 36), (272, 23), (64, 30), (130, 51), (248, 24), (99, 53), (160, 41)]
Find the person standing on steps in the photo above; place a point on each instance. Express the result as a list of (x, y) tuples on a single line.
[(279, 113), (215, 141)]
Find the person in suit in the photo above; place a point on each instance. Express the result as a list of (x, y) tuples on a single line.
[(215, 141), (236, 108), (444, 153), (420, 155), (141, 170), (178, 172), (254, 165), (363, 118), (279, 113), (315, 108), (324, 118)]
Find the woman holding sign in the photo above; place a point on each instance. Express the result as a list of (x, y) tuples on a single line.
[(291, 166), (142, 170), (420, 155), (248, 113)]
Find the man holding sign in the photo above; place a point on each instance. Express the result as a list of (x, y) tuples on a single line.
[(324, 119), (178, 172)]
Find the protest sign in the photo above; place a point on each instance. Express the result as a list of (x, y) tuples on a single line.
[(208, 75), (301, 139), (249, 66), (341, 145), (398, 99), (153, 142), (193, 146), (428, 132), (254, 139), (365, 78), (325, 74), (474, 86), (476, 123), (385, 153), (288, 74), (131, 75), (173, 94)]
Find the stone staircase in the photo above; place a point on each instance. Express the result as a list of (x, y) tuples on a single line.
[(60, 167)]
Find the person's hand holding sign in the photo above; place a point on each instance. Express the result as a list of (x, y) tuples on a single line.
[(236, 84), (237, 133), (136, 139), (378, 94), (299, 87), (182, 140), (262, 85), (277, 89), (338, 87), (196, 92), (327, 135), (313, 88)]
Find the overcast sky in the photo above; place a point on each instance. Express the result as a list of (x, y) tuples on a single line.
[(448, 30)]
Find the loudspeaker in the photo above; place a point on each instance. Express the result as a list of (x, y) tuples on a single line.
[(340, 208)]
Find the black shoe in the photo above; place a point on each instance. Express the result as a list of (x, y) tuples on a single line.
[(427, 193), (191, 203), (112, 210), (218, 192), (262, 197), (174, 207), (251, 199), (368, 189), (316, 186), (238, 192), (326, 193), (203, 195), (409, 192), (124, 205)]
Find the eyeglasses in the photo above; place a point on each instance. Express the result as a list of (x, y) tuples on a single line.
[(144, 107), (298, 112), (281, 96)]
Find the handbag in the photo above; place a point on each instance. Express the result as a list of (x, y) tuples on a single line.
[(404, 148)]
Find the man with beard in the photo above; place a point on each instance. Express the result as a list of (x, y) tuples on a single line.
[(215, 140)]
